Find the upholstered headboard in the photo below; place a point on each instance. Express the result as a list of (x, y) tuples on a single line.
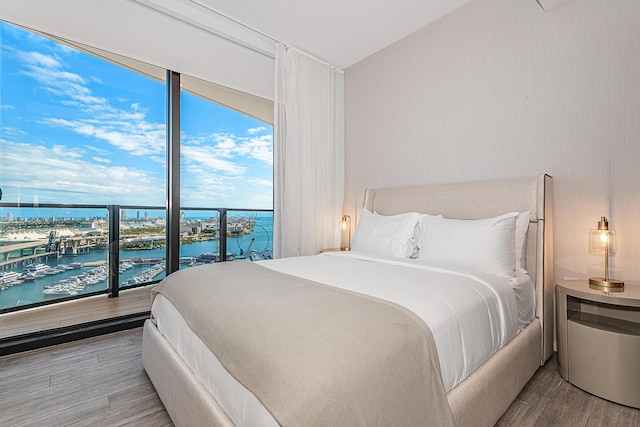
[(482, 199)]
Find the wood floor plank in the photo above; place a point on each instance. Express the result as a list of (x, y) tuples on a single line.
[(67, 395), (20, 384), (91, 371), (549, 400), (74, 380), (604, 413), (73, 414), (521, 414), (148, 409), (59, 354)]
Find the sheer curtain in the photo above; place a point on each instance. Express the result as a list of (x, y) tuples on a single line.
[(308, 154)]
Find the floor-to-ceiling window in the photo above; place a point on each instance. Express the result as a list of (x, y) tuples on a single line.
[(226, 161), (83, 165)]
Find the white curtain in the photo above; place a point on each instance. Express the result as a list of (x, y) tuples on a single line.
[(308, 154)]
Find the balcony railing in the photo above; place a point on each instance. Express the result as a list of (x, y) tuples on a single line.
[(57, 252)]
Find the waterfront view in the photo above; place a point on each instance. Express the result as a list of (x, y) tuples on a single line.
[(47, 258), (84, 147)]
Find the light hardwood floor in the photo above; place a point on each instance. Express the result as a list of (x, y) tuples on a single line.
[(549, 400), (100, 381)]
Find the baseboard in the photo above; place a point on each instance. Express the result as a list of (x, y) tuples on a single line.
[(50, 337)]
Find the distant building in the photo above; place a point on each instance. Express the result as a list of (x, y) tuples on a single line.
[(189, 230)]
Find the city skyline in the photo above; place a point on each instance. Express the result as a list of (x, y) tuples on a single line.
[(78, 130), (7, 214)]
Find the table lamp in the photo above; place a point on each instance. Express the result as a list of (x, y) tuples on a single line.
[(346, 233), (601, 241)]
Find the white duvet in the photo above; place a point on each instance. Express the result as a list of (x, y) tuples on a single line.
[(471, 316)]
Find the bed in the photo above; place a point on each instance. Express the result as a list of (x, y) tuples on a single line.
[(204, 389)]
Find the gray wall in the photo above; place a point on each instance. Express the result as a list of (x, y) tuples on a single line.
[(502, 89)]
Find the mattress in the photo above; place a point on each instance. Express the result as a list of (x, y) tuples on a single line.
[(439, 296)]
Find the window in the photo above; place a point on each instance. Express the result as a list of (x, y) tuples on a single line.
[(83, 165), (76, 128), (226, 161)]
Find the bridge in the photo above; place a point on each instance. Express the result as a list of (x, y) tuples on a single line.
[(22, 247), (47, 247)]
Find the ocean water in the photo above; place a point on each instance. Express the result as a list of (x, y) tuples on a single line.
[(32, 291)]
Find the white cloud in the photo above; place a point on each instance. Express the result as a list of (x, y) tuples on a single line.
[(51, 171), (214, 167), (101, 159), (65, 151), (38, 60), (124, 129), (138, 140), (10, 131), (259, 129), (257, 147), (198, 156), (261, 148), (261, 182)]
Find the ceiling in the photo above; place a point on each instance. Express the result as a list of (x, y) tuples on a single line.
[(340, 32), (231, 42)]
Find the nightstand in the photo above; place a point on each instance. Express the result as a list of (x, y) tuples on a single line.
[(599, 340)]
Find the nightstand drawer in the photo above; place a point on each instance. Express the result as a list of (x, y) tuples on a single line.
[(604, 360)]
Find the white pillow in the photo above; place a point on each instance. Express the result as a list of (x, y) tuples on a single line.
[(394, 235), (481, 245), (522, 230)]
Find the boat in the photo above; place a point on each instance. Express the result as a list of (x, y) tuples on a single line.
[(65, 287), (38, 270), (59, 291), (9, 277)]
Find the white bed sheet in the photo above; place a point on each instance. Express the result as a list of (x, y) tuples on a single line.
[(493, 311)]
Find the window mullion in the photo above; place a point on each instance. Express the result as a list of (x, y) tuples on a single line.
[(173, 171)]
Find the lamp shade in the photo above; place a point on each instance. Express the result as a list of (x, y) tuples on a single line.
[(602, 239)]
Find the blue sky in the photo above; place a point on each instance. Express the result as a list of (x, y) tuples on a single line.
[(76, 129)]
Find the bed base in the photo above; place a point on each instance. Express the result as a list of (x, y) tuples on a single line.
[(504, 374), (187, 401)]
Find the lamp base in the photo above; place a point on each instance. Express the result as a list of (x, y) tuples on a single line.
[(599, 284)]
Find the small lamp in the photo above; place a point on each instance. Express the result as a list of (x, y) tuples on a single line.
[(601, 241), (345, 244)]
